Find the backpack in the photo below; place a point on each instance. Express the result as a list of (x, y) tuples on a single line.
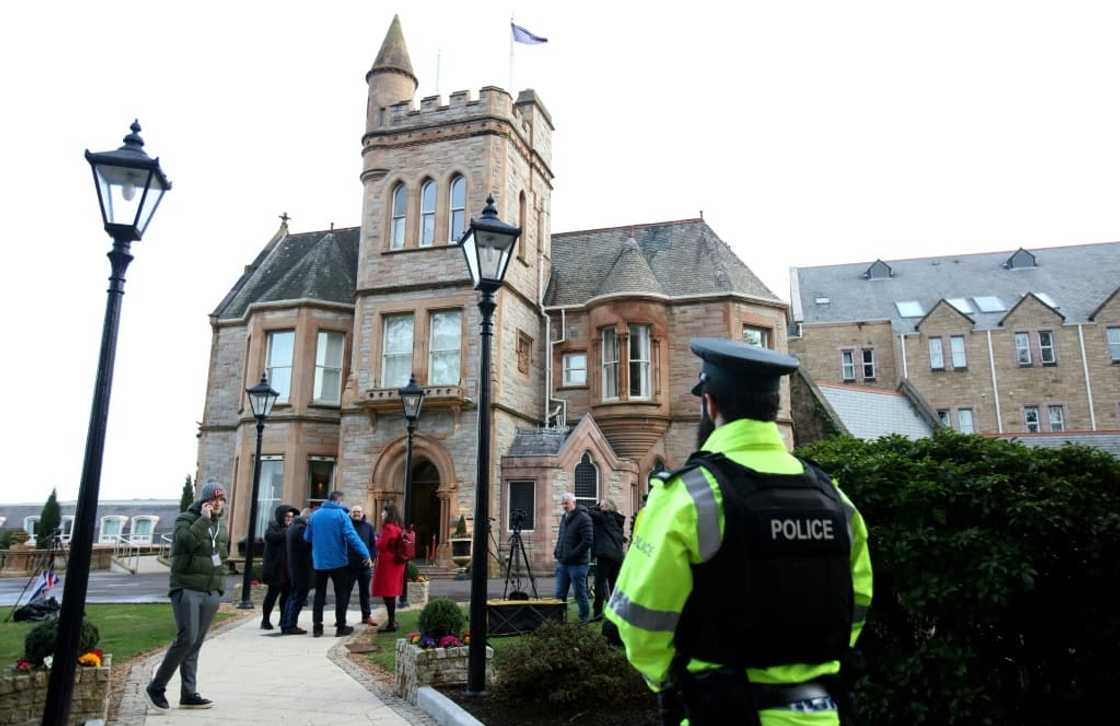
[(406, 545)]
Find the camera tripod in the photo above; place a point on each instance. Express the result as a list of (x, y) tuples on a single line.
[(517, 557)]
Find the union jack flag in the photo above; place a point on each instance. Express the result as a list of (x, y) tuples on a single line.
[(47, 580)]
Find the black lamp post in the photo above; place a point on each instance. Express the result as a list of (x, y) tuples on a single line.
[(261, 399), (412, 399), (130, 185), (488, 247)]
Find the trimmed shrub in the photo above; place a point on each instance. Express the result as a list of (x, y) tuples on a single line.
[(412, 572), (565, 663), (40, 641), (992, 562), (441, 617)]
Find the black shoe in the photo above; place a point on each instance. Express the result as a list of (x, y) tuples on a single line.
[(293, 631), (388, 628), (265, 625), (156, 699), (195, 701), (317, 631), (343, 630)]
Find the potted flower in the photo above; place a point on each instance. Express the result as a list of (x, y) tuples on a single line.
[(461, 546)]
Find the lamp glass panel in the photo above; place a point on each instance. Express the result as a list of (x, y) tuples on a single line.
[(121, 189), (469, 252)]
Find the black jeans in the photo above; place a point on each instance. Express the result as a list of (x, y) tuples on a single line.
[(340, 578), (270, 597), (289, 615), (606, 572), (361, 576)]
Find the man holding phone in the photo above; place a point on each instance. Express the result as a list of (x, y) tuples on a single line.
[(199, 550)]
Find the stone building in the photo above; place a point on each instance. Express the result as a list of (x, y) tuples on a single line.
[(591, 366), (1024, 342)]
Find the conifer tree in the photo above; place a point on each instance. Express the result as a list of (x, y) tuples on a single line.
[(50, 519), (188, 495)]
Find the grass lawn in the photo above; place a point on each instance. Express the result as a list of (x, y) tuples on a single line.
[(125, 630)]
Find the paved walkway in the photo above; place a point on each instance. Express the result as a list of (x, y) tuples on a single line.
[(257, 677)]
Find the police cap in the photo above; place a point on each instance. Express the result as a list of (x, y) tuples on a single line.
[(733, 366)]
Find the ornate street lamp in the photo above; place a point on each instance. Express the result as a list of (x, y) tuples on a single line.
[(261, 399), (130, 185), (488, 247), (412, 399)]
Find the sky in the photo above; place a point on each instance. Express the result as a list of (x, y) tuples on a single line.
[(808, 133)]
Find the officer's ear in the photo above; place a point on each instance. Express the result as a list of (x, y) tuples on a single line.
[(710, 404)]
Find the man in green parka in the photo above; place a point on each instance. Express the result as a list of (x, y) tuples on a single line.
[(198, 555)]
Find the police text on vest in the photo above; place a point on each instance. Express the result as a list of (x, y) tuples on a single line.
[(801, 529)]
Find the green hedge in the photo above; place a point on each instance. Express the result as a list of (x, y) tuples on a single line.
[(992, 562)]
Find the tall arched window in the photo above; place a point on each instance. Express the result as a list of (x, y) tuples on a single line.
[(458, 217), (400, 210), (521, 219), (427, 213), (587, 480)]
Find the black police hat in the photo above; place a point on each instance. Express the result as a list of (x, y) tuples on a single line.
[(733, 366)]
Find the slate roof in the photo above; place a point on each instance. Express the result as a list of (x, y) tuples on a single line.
[(538, 442), (1078, 278), (869, 413), (394, 53), (1108, 441), (166, 509), (680, 258), (320, 265)]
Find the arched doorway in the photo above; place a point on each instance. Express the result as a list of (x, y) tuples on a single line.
[(425, 508)]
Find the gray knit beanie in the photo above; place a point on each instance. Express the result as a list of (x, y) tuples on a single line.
[(211, 490)]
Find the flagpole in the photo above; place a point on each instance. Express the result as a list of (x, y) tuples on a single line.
[(511, 54)]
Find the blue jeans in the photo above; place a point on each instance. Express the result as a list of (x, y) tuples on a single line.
[(576, 575), (297, 598)]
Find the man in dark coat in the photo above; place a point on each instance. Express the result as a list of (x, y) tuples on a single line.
[(299, 574), (274, 570), (573, 553), (609, 540), (360, 570)]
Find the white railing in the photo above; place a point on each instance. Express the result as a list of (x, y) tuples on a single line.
[(165, 541), (127, 552)]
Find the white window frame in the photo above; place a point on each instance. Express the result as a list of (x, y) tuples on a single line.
[(456, 210), (323, 366), (266, 506), (428, 213), (142, 539), (953, 350), (945, 417), (611, 364), (989, 304), (936, 354), (863, 363), (103, 538), (1027, 411), (1052, 348), (848, 365), (1023, 346), (66, 532), (1112, 337), (399, 209), (456, 350), (970, 427), (763, 336), (386, 355), (641, 334), (909, 309), (568, 369), (509, 504), (31, 525), (271, 367), (1060, 420), (587, 458)]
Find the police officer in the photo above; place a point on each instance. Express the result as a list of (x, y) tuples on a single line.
[(748, 577)]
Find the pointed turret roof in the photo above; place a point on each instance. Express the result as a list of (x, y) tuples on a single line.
[(630, 273), (393, 55)]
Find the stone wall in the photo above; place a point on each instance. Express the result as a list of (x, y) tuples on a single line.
[(23, 696), (820, 347), (437, 667)]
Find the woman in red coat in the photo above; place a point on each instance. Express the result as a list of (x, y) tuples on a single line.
[(388, 577)]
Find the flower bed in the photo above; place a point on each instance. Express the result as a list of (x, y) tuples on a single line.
[(23, 693), (439, 667)]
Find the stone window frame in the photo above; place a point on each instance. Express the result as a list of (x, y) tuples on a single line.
[(399, 187), (1053, 347), (850, 353), (522, 215), (532, 511), (940, 352), (342, 372), (267, 368), (971, 418), (586, 459), (630, 361), (432, 312), (616, 362), (564, 383), (266, 513), (945, 417), (452, 238), (524, 344), (385, 316), (1113, 348), (426, 184), (1021, 349), (330, 484), (953, 353), (1027, 409), (766, 334), (1062, 418)]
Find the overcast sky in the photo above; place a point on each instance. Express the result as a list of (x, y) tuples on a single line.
[(808, 132)]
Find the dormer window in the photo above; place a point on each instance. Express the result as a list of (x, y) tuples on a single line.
[(909, 309), (1020, 260), (878, 270)]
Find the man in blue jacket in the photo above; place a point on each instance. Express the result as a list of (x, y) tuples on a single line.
[(332, 537)]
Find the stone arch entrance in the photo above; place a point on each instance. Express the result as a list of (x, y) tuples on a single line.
[(433, 484)]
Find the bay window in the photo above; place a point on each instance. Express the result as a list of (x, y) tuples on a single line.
[(396, 351), (328, 367), (640, 361), (281, 346), (610, 364)]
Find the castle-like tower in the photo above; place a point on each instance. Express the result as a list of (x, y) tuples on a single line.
[(425, 172)]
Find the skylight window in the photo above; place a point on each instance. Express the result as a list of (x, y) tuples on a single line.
[(909, 309), (1045, 297), (823, 300), (961, 304), (989, 304)]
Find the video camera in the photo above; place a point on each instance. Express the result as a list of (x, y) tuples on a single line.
[(517, 519)]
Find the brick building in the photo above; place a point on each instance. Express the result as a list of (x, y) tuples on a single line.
[(591, 374), (1024, 342)]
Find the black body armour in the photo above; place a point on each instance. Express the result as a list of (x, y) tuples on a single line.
[(779, 590)]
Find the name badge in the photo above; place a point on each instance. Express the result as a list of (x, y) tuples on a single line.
[(216, 559)]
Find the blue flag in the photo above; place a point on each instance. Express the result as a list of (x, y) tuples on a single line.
[(521, 35)]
